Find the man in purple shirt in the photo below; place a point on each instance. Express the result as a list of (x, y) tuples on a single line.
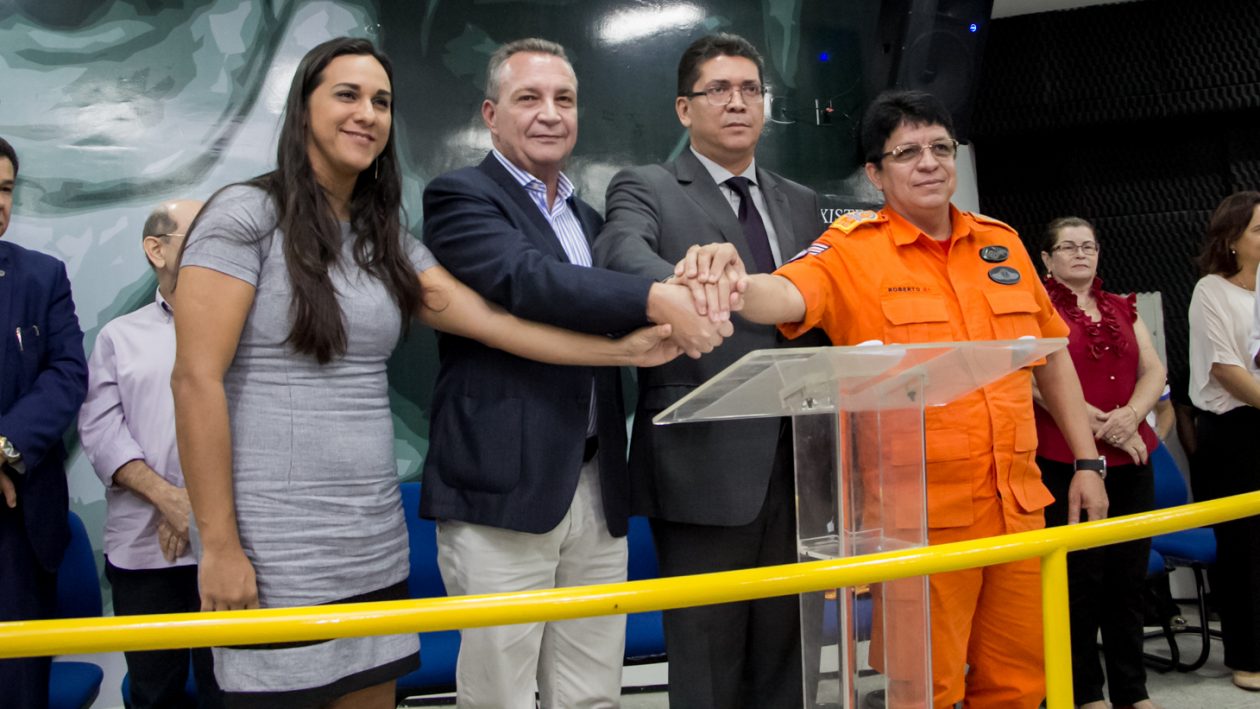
[(127, 426)]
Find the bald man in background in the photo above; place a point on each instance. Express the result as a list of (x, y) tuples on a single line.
[(127, 426)]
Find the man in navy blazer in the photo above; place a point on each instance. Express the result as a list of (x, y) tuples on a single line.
[(526, 472), (43, 379)]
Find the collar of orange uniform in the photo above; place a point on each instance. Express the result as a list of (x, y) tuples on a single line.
[(904, 232)]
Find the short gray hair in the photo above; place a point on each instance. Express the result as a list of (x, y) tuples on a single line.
[(536, 45)]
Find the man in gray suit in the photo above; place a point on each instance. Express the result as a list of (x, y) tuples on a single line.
[(720, 496)]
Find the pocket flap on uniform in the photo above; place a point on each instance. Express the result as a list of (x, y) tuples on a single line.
[(941, 445), (1026, 435), (911, 309), (1005, 302), (947, 445)]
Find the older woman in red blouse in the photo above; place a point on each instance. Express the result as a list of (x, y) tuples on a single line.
[(1122, 378)]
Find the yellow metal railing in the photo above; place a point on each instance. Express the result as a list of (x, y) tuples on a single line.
[(153, 632)]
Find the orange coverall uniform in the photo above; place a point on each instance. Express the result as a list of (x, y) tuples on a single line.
[(874, 276)]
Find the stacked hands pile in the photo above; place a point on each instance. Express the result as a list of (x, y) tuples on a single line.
[(714, 279)]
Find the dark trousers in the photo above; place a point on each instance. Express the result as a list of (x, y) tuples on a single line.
[(1105, 587), (1225, 464), (27, 592), (732, 655), (158, 676)]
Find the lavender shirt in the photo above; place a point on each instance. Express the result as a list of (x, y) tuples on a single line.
[(129, 414)]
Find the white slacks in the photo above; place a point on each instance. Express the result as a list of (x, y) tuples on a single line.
[(575, 663)]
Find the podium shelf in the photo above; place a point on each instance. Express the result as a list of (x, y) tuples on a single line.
[(822, 380)]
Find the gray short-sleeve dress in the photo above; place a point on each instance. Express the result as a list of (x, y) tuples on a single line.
[(313, 467)]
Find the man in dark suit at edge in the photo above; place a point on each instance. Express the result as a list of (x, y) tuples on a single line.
[(526, 473), (43, 379), (719, 495)]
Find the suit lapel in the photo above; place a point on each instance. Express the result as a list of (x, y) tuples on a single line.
[(542, 232), (698, 184), (780, 215)]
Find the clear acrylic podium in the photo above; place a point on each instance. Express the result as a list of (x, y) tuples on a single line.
[(858, 425)]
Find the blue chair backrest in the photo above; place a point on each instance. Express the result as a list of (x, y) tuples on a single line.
[(425, 580), (78, 586), (1170, 486), (439, 649), (645, 635), (642, 551)]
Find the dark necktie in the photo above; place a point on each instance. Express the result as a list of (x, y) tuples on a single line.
[(754, 227)]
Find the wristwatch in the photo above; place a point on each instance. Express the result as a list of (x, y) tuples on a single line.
[(1098, 465)]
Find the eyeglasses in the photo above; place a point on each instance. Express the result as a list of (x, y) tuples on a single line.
[(1089, 248), (911, 152), (721, 93), (167, 236)]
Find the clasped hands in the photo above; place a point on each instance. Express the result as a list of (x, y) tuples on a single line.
[(1119, 428), (697, 301), (172, 528)]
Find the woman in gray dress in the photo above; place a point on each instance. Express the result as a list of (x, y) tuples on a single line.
[(294, 289)]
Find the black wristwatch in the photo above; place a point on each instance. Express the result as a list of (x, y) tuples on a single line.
[(1098, 465)]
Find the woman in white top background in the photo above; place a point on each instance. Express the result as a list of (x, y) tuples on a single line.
[(1225, 385)]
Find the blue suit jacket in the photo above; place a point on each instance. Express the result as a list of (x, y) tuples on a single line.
[(42, 383), (507, 434)]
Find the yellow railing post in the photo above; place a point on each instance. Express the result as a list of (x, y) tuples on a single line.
[(1057, 629)]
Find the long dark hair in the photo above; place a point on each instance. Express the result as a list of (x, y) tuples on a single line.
[(312, 238), (1228, 222)]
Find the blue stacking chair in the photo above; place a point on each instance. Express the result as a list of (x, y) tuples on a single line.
[(1189, 548), (75, 685), (645, 635), (1157, 570), (865, 608), (438, 650)]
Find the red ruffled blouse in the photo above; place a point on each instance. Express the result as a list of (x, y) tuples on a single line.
[(1105, 354)]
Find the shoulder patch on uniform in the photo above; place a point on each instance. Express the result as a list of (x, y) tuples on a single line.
[(813, 249), (991, 221), (854, 218)]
